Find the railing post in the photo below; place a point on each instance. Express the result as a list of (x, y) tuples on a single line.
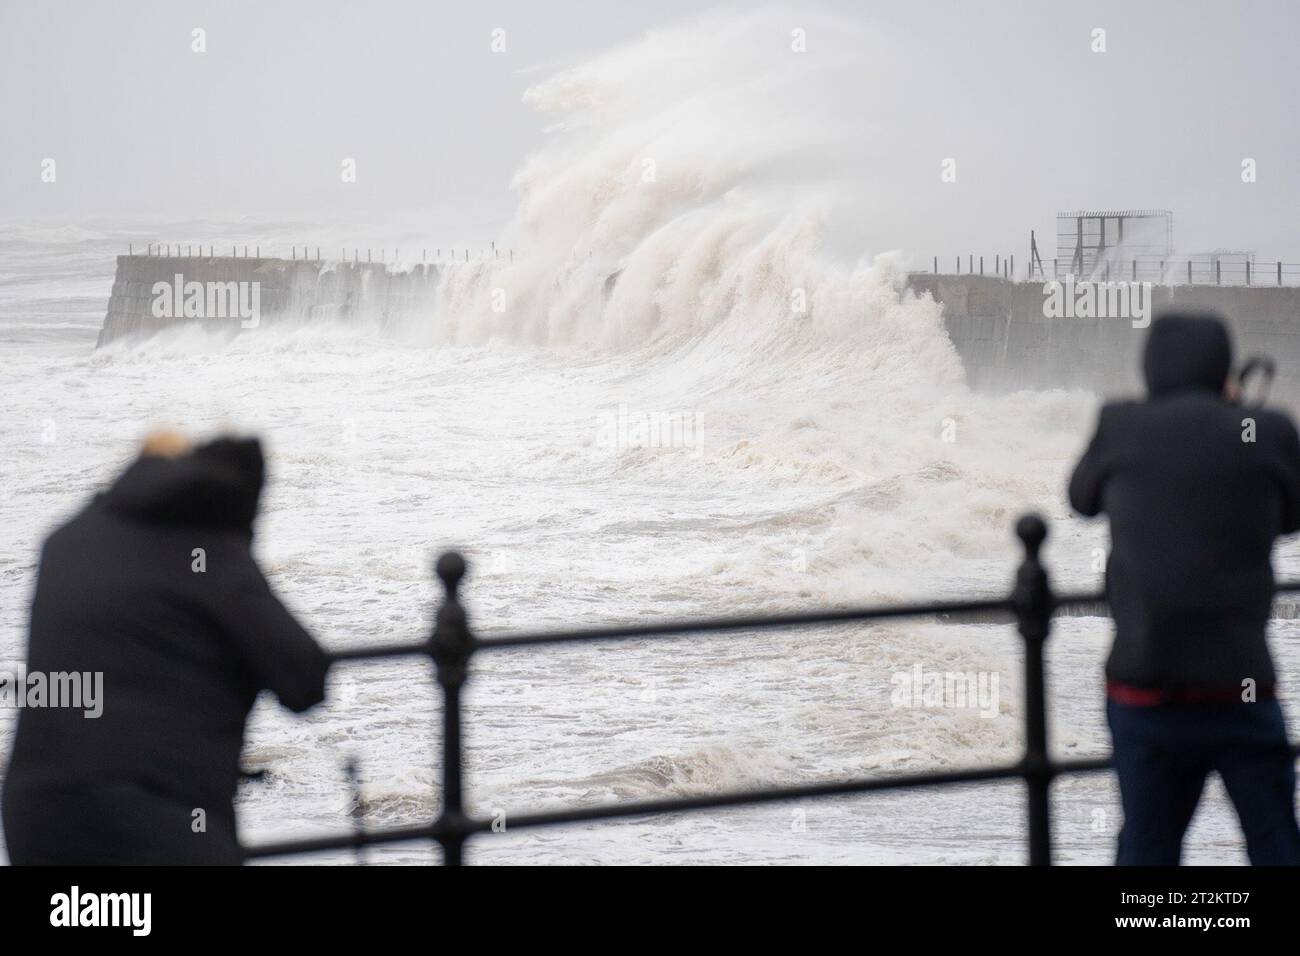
[(451, 647), (1033, 602), (358, 811)]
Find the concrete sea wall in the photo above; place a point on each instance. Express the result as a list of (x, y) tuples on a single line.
[(997, 325), (288, 290), (1006, 342)]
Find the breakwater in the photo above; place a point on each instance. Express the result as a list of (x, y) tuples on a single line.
[(1008, 341), (286, 290), (1006, 338)]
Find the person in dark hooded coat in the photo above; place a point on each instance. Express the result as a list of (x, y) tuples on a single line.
[(153, 585), (1196, 489)]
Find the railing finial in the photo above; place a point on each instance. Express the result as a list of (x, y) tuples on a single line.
[(450, 568), (1032, 532)]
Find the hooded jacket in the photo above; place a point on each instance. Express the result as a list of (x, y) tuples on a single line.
[(153, 585), (1196, 490)]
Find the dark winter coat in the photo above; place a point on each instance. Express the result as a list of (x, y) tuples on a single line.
[(1196, 490), (153, 584)]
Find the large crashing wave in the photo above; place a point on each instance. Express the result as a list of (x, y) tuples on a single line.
[(687, 189), (720, 177)]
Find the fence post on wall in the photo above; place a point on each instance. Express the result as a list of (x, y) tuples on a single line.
[(1033, 602), (451, 647)]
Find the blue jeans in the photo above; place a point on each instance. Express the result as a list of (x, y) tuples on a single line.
[(1163, 755)]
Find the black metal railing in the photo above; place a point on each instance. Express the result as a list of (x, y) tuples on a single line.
[(452, 646)]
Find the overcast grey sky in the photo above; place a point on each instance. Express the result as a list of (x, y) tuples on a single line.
[(142, 128)]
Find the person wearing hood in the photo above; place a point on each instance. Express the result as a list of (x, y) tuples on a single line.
[(1197, 489), (153, 586)]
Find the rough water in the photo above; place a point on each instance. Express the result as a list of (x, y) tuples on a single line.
[(681, 441)]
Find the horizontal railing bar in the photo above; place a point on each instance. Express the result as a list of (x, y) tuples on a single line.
[(749, 797), (751, 622), (1077, 598), (380, 651), (437, 831), (703, 625), (802, 792), (672, 805), (350, 841), (748, 623)]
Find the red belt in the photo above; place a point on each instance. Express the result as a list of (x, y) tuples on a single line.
[(1154, 696)]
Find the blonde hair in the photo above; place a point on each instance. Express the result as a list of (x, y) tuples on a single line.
[(165, 443)]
